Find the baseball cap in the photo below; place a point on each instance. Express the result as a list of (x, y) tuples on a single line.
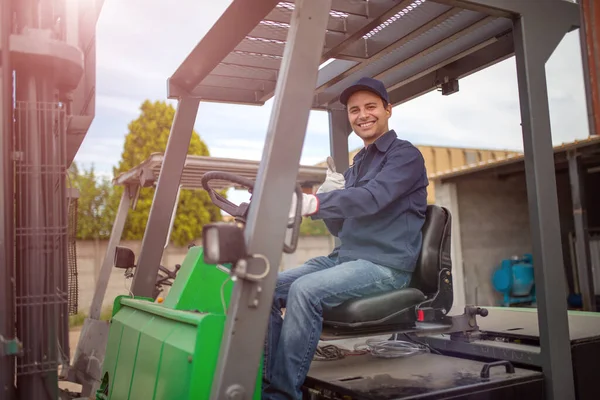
[(365, 83)]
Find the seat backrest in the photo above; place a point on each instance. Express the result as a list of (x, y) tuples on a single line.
[(435, 252)]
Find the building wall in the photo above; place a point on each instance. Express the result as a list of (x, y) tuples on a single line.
[(91, 253), (446, 196), (494, 224)]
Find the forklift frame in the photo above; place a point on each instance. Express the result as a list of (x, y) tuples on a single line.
[(533, 38)]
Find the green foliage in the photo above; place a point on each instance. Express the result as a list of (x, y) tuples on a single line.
[(94, 215), (311, 227), (149, 134), (78, 319)]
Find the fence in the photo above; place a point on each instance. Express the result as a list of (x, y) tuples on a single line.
[(91, 253)]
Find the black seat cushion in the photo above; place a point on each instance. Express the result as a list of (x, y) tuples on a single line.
[(385, 308), (397, 307)]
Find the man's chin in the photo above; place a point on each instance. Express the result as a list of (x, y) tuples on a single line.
[(368, 135)]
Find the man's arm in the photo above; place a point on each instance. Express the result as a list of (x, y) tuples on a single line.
[(405, 167)]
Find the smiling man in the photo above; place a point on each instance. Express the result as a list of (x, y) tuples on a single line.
[(377, 209)]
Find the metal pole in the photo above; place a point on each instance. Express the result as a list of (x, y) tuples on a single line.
[(109, 256), (7, 317), (245, 329), (339, 130), (534, 43), (159, 219), (589, 35), (582, 244)]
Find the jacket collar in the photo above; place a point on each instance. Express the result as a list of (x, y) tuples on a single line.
[(382, 143)]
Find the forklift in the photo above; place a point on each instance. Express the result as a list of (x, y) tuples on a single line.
[(204, 340)]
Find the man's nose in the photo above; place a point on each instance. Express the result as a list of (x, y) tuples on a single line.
[(362, 114)]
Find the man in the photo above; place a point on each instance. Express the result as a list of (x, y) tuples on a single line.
[(376, 209)]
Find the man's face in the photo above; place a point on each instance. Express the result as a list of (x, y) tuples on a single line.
[(367, 115)]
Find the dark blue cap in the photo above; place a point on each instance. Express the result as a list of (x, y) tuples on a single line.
[(366, 83)]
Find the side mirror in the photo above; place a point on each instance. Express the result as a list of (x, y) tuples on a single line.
[(223, 243), (124, 258)]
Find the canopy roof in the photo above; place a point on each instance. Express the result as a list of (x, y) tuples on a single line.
[(238, 60), (146, 173)]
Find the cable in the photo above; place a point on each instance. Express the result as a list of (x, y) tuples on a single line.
[(223, 295), (382, 348), (393, 348), (332, 352)]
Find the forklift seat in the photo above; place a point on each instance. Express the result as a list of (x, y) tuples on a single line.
[(397, 309)]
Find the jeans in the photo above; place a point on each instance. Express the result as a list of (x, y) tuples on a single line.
[(292, 341)]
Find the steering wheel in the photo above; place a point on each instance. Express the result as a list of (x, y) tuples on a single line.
[(240, 212)]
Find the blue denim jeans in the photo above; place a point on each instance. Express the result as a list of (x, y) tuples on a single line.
[(292, 341)]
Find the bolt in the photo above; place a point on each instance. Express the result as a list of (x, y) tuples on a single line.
[(190, 358)]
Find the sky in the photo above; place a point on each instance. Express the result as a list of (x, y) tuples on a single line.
[(140, 43)]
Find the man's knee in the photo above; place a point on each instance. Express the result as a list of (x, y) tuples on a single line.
[(303, 289)]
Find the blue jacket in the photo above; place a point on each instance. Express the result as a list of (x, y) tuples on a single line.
[(379, 215)]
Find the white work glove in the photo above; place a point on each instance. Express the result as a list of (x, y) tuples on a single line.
[(334, 180), (310, 205)]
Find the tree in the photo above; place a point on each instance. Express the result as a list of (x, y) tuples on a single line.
[(313, 227), (95, 216), (149, 134)]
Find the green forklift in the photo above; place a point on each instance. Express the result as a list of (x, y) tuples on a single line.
[(204, 340)]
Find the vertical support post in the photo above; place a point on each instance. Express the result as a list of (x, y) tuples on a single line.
[(7, 317), (109, 256), (165, 196), (339, 130), (250, 305), (589, 35), (458, 271), (535, 40), (582, 244)]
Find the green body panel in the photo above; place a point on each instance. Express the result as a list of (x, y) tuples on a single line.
[(169, 350), (198, 286)]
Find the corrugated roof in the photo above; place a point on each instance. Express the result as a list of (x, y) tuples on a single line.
[(513, 159)]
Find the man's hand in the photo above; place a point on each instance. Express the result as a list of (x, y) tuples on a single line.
[(310, 205), (334, 180)]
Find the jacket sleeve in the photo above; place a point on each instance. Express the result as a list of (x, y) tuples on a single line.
[(403, 171)]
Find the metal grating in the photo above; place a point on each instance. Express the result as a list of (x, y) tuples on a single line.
[(402, 13), (41, 232), (73, 281), (398, 41)]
